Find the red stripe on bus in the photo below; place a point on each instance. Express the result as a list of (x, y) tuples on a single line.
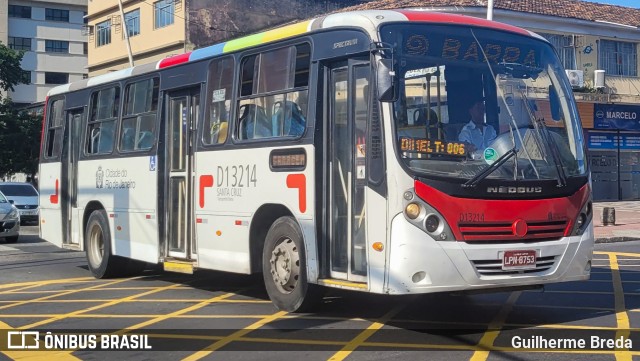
[(174, 60), (238, 223), (499, 211), (44, 121), (206, 181), (299, 181), (459, 19), (53, 198)]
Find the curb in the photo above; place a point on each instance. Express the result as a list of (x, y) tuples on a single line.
[(616, 239)]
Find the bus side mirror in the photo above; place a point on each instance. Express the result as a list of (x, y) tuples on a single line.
[(385, 81)]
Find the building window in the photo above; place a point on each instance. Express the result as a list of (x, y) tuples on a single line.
[(618, 58), (26, 77), (85, 48), (18, 11), (132, 20), (57, 15), (103, 31), (56, 46), (56, 78), (565, 49), (16, 43), (163, 11)]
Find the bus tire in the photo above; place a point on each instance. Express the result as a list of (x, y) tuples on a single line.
[(97, 238), (284, 267)]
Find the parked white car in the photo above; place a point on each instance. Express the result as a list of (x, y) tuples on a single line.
[(9, 221), (24, 197)]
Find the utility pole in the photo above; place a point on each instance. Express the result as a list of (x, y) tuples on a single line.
[(490, 10), (126, 34)]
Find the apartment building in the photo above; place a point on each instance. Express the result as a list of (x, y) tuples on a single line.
[(51, 35)]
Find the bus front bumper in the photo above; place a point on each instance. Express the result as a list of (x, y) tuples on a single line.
[(420, 264)]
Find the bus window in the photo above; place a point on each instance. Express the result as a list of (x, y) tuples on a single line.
[(55, 129), (219, 104), (101, 127), (284, 72), (139, 119)]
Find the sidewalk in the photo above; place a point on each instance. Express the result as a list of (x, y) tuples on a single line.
[(627, 225)]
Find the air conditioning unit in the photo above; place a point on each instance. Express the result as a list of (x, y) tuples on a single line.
[(576, 78)]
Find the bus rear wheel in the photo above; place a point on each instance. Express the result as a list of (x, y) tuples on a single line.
[(284, 267), (102, 263)]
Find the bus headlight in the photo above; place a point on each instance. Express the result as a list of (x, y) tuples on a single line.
[(422, 215), (584, 218), (431, 223), (412, 210)]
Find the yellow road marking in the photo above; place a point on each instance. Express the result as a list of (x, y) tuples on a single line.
[(97, 307), (159, 300), (178, 313), (69, 292), (622, 318), (233, 337), (624, 254), (364, 335), (493, 330), (48, 282)]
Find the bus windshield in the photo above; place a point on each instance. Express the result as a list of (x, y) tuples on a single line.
[(480, 103)]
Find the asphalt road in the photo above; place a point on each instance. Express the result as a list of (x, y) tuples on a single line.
[(214, 315)]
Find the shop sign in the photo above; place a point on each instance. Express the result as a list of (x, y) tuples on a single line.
[(616, 116)]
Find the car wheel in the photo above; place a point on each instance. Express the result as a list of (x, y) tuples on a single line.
[(284, 267), (102, 263), (13, 239)]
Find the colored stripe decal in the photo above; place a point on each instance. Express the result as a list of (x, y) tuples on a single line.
[(207, 52), (286, 31), (241, 43), (459, 19), (174, 60)]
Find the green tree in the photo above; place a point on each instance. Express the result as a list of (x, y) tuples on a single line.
[(19, 130), (10, 70)]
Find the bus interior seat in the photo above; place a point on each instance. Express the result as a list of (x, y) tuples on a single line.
[(128, 139), (145, 140), (290, 116), (105, 144), (254, 122)]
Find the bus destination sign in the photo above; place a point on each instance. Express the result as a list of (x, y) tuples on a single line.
[(431, 146)]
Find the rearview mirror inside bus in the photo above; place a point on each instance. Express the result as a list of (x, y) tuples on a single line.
[(385, 77)]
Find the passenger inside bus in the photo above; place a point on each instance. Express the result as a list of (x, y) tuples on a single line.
[(476, 133)]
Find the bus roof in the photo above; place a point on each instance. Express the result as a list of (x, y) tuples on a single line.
[(367, 19)]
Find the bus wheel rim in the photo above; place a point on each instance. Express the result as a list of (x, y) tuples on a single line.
[(285, 265), (96, 251)]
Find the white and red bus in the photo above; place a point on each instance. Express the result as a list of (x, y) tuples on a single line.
[(329, 152)]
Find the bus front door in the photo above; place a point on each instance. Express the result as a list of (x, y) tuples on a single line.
[(182, 114), (69, 179), (347, 112)]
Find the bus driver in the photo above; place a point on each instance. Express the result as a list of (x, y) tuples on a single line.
[(477, 134)]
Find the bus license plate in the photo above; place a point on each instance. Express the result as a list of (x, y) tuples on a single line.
[(519, 260)]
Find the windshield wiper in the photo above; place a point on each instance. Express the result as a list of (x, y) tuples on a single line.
[(490, 169), (547, 138)]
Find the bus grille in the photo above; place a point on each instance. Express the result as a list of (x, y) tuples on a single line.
[(494, 267), (504, 232)]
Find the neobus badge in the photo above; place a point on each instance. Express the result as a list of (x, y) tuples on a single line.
[(512, 190)]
